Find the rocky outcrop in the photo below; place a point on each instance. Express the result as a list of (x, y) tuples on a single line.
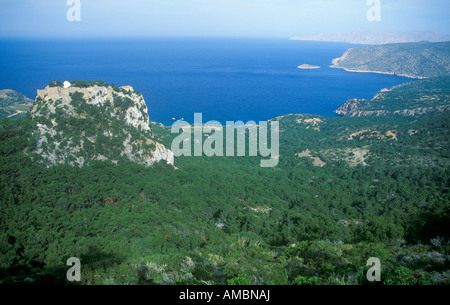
[(411, 99), (308, 67), (350, 109), (75, 125), (56, 97)]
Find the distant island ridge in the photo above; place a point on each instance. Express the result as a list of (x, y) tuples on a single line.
[(376, 37)]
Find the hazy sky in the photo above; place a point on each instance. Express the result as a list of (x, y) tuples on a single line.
[(273, 18)]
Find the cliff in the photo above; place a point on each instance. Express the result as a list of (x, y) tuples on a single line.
[(415, 60), (79, 122)]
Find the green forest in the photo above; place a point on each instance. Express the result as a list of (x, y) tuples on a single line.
[(345, 189), (412, 98)]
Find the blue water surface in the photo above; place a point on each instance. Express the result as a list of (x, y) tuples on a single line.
[(227, 79)]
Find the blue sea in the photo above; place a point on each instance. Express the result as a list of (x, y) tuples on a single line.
[(227, 79)]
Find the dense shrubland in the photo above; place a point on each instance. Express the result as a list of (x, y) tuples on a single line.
[(228, 221)]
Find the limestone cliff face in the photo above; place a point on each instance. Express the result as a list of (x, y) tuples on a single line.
[(136, 115), (93, 122)]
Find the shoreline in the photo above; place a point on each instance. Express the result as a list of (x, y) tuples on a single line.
[(377, 72)]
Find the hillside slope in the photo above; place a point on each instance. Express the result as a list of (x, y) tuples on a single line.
[(415, 60), (13, 103), (414, 98), (345, 189), (93, 121)]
